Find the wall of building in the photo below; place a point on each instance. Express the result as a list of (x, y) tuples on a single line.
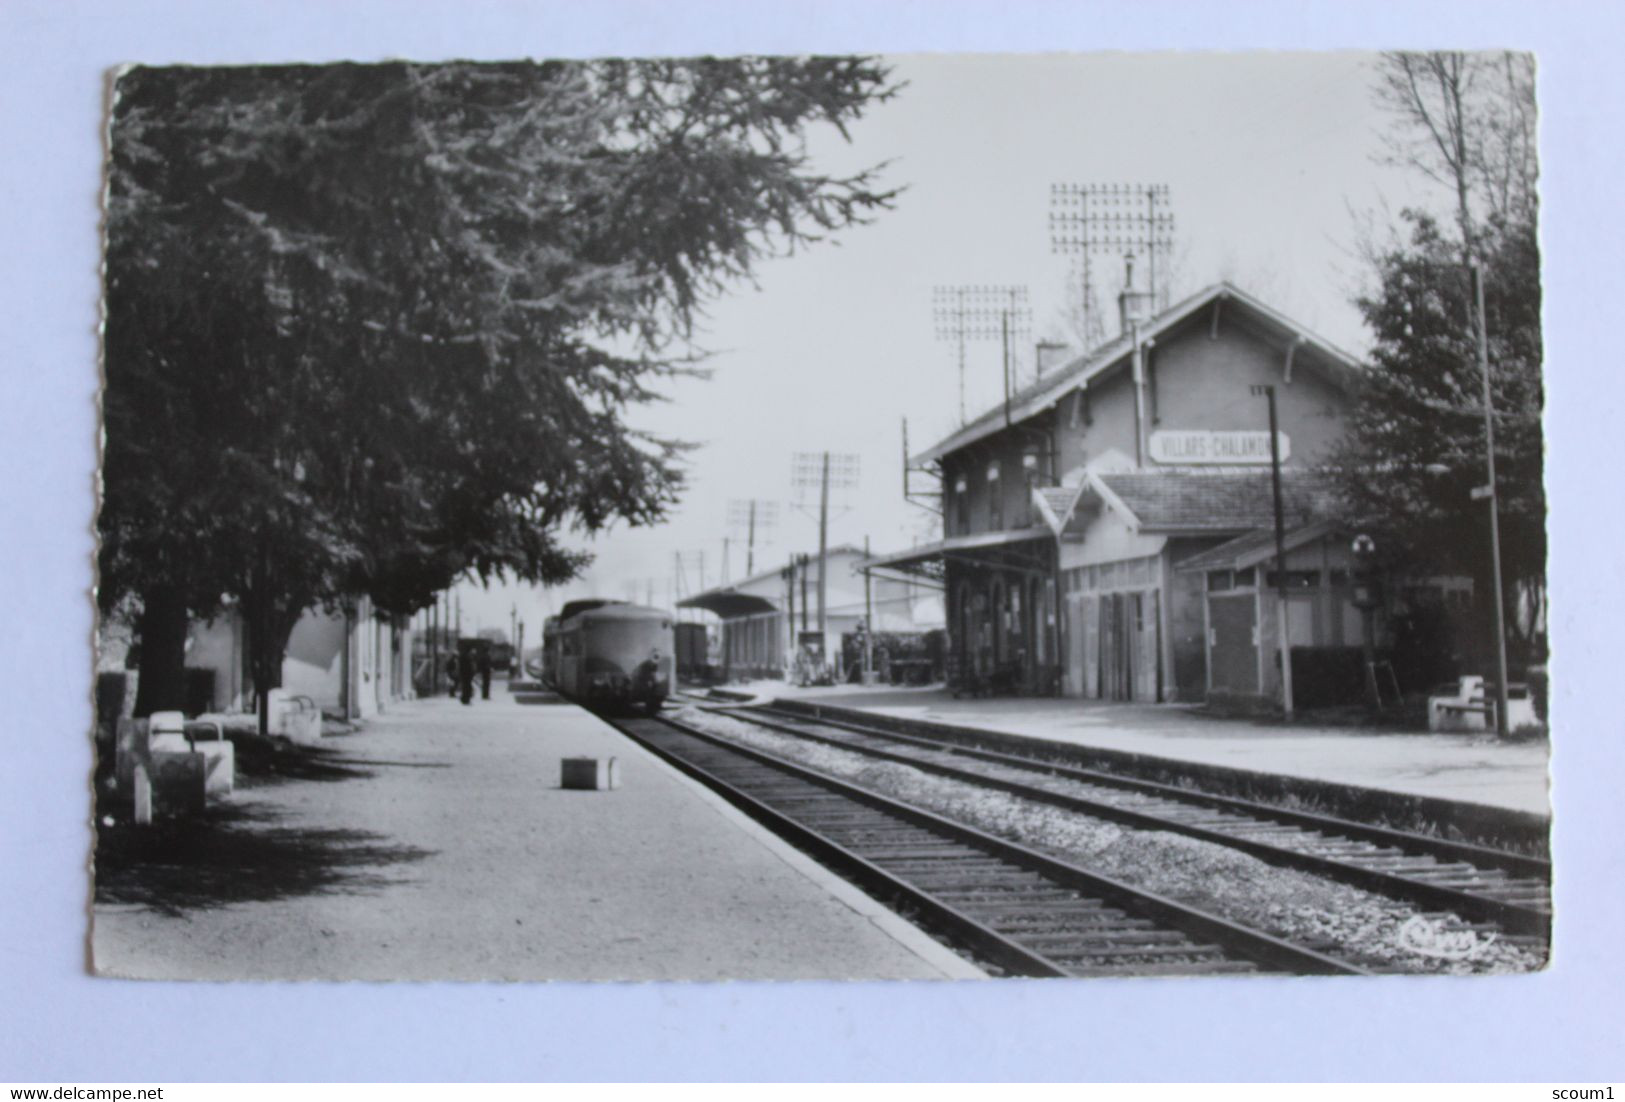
[(1197, 381), (217, 645), (1202, 383), (1097, 421), (314, 664), (331, 660), (1020, 456), (1319, 615)]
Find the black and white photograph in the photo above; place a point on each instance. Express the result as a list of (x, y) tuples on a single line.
[(878, 517)]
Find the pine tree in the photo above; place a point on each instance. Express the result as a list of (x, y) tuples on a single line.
[(371, 327)]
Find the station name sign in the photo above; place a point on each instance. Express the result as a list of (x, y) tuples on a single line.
[(1196, 446)]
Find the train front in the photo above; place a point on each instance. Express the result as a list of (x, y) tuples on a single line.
[(629, 657)]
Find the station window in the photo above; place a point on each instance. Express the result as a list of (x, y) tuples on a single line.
[(1295, 579), (995, 498), (961, 506), (1231, 579)]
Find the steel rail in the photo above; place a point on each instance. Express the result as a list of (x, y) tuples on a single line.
[(1231, 937), (1517, 863), (1512, 917)]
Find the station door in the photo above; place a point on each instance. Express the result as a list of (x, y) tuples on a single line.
[(1117, 652), (1233, 642)]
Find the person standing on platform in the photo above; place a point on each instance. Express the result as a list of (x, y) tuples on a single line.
[(465, 677), (451, 674), (485, 673)]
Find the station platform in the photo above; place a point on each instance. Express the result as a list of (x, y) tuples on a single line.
[(1475, 769), (447, 850)]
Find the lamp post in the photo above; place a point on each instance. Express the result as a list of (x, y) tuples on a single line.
[(1488, 490), (1280, 556)]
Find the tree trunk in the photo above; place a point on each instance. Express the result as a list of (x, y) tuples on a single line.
[(269, 628), (161, 680)]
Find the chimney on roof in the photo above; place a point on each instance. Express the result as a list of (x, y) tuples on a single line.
[(1132, 305), (1041, 354)]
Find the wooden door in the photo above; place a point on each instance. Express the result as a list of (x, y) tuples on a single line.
[(1090, 622), (1233, 642), (1116, 646), (1072, 638), (1147, 645)]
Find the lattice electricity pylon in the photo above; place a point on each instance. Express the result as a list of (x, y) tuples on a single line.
[(982, 311), (752, 519), (1110, 219)]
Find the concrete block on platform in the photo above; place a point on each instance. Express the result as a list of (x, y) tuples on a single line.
[(179, 781), (129, 750), (600, 774), (294, 717), (165, 770), (219, 767)]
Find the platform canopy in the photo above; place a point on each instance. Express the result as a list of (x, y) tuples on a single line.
[(729, 604), (1010, 549)]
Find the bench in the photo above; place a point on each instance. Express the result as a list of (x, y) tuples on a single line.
[(1472, 709), (294, 716), (164, 767)]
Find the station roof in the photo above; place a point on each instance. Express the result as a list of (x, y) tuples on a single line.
[(990, 547), (1338, 366), (1253, 548), (1220, 503)]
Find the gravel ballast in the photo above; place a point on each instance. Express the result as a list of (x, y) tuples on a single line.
[(1361, 927)]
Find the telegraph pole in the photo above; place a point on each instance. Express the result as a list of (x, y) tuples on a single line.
[(749, 516), (823, 543), (1501, 727), (1090, 219), (980, 312), (1280, 557)]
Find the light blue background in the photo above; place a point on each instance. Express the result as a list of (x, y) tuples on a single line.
[(59, 1025)]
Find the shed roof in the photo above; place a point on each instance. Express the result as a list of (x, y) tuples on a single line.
[(1252, 548), (730, 600)]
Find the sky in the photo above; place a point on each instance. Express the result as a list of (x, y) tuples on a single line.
[(1274, 166)]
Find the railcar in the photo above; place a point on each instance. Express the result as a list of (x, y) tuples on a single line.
[(547, 662), (693, 653), (611, 655)]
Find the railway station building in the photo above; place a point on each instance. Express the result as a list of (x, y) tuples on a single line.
[(1108, 531), (763, 617), (352, 663)]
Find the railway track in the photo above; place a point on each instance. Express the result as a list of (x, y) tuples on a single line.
[(1010, 907), (1483, 885)]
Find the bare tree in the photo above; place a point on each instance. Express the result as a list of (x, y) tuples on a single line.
[(1468, 124)]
